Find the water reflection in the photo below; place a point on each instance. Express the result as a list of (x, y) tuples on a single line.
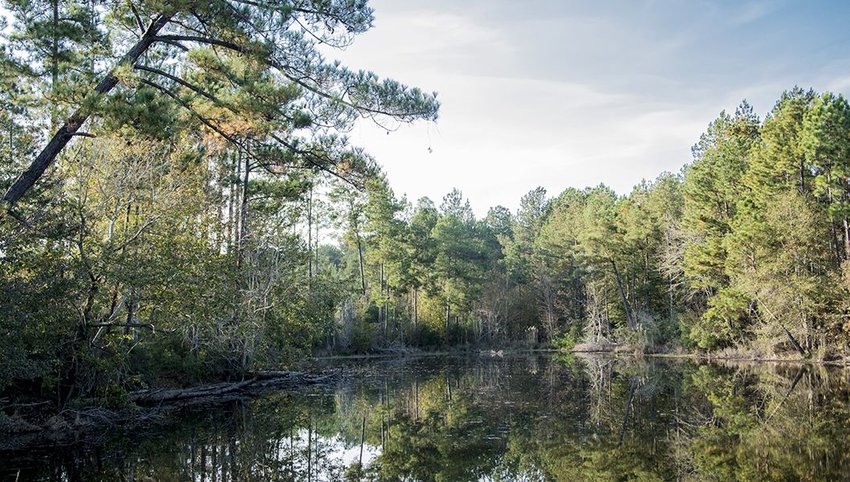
[(528, 417)]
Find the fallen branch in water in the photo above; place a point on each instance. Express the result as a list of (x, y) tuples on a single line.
[(41, 428), (259, 382), (150, 397)]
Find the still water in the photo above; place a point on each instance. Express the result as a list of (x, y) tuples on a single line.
[(518, 417)]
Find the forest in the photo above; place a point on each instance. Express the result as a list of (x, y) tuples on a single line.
[(181, 203)]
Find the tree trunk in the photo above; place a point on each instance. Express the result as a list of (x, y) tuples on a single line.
[(231, 196), (310, 233), (309, 450), (415, 309), (11, 141), (316, 245), (793, 340), (237, 193), (835, 236), (836, 244), (623, 295), (385, 303), (65, 133), (54, 64), (362, 441), (243, 212), (646, 281), (672, 300), (846, 239), (633, 382), (360, 256), (131, 310)]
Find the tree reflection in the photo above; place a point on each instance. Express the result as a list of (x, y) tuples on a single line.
[(513, 418)]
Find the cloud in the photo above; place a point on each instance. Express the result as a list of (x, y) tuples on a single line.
[(752, 12), (499, 137), (426, 41), (575, 93)]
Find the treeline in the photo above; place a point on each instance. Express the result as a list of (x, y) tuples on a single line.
[(158, 167), (747, 248), (167, 217), (587, 265)]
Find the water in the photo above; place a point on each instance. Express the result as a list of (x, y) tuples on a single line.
[(518, 417)]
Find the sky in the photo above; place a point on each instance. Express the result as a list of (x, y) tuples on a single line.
[(577, 93)]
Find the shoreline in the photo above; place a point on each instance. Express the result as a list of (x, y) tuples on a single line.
[(845, 362), (45, 427)]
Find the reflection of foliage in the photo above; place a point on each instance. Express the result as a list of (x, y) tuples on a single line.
[(794, 428), (526, 418), (453, 445)]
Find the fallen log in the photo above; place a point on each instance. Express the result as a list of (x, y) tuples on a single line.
[(289, 379), (149, 397), (92, 424), (259, 382)]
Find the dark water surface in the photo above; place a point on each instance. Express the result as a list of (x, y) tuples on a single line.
[(518, 417)]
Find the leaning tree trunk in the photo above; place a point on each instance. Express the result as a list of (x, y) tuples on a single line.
[(69, 129), (846, 239), (360, 260), (629, 317)]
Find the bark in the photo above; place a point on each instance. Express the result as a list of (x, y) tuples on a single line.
[(316, 250), (236, 195), (846, 239), (623, 295), (231, 195), (415, 309), (791, 338), (310, 234), (836, 244), (646, 281), (162, 396), (65, 133), (243, 211), (672, 300), (261, 381), (362, 440), (794, 383), (835, 236), (54, 60), (382, 312), (632, 387), (360, 256)]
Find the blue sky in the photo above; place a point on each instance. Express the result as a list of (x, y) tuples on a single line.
[(575, 93)]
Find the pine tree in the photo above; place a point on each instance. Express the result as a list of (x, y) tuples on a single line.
[(826, 145), (713, 185), (277, 43)]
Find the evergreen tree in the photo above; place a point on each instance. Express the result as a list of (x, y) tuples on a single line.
[(713, 185), (275, 44)]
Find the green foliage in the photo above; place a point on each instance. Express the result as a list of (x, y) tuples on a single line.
[(724, 322), (741, 250), (567, 341), (188, 233), (763, 220), (712, 188), (164, 245)]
